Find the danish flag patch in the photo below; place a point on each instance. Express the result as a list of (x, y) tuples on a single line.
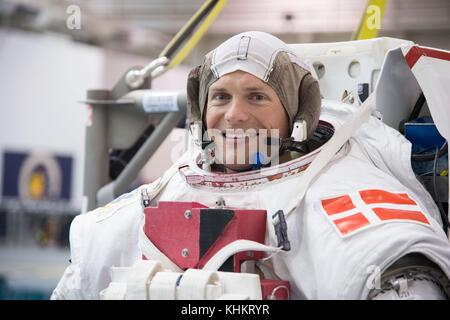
[(359, 210)]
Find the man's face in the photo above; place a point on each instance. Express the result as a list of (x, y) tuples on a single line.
[(242, 110)]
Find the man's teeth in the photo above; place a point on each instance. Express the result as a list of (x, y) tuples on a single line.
[(238, 135)]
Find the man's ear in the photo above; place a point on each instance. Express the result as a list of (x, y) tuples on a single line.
[(193, 103)]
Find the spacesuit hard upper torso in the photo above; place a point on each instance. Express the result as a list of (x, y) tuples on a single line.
[(336, 245)]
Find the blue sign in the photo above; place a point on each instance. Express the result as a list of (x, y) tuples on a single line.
[(37, 176)]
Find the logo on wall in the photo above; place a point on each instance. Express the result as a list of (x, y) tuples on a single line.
[(37, 176)]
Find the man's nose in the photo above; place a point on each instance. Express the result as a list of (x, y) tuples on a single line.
[(237, 112)]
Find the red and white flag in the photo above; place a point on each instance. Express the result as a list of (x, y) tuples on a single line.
[(359, 210)]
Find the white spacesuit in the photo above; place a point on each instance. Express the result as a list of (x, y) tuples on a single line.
[(365, 228)]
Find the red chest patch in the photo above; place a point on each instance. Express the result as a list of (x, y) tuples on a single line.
[(189, 233)]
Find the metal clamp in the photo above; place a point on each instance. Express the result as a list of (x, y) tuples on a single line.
[(135, 78)]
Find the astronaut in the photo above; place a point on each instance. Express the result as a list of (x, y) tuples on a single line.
[(362, 227)]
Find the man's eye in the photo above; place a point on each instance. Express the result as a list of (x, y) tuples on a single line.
[(257, 97), (220, 97)]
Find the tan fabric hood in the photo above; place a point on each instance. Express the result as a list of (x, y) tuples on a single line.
[(268, 58)]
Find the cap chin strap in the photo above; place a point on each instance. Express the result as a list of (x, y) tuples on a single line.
[(299, 131), (197, 133), (297, 140)]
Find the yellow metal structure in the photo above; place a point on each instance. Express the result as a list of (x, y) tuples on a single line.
[(371, 20), (196, 36)]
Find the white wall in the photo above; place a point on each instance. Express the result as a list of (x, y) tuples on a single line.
[(42, 77)]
